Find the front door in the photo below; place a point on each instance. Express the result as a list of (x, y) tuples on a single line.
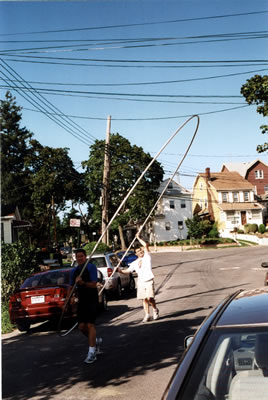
[(243, 217)]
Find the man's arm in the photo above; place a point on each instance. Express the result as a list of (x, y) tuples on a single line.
[(144, 244)]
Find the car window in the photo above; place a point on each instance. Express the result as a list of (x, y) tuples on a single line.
[(99, 262), (225, 362), (47, 279), (113, 260)]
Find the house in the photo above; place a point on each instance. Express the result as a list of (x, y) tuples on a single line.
[(174, 207), (11, 223), (226, 198), (256, 172)]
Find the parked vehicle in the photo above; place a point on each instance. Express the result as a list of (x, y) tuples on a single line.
[(129, 257), (266, 279), (42, 296), (228, 356), (65, 251), (106, 264)]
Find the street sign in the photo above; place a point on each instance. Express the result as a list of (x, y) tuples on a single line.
[(75, 222)]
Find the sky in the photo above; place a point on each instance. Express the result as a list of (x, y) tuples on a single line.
[(149, 64)]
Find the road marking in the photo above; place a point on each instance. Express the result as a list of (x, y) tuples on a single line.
[(258, 269), (228, 268)]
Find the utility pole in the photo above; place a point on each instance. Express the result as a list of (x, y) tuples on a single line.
[(106, 183), (54, 220)]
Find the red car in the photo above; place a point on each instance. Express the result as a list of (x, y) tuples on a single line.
[(41, 297)]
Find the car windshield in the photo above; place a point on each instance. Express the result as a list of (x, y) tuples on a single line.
[(231, 366), (49, 278)]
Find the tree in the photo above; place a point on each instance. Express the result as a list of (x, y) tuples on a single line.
[(127, 162), (198, 228), (15, 147), (255, 91), (38, 179)]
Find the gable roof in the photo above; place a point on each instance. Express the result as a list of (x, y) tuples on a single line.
[(241, 167), (227, 181), (174, 189)]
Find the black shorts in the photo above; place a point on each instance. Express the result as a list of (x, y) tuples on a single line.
[(87, 312)]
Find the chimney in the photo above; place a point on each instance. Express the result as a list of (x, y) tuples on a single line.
[(208, 174)]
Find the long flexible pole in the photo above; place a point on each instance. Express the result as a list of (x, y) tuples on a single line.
[(122, 204)]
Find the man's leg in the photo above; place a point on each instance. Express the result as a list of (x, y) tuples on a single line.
[(91, 334)]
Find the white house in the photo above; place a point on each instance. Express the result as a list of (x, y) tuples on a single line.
[(173, 209), (11, 222)]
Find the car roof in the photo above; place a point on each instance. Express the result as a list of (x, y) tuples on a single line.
[(247, 308), (52, 270)]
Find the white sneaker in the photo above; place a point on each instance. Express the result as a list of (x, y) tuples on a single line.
[(156, 314), (98, 344), (91, 357), (146, 318)]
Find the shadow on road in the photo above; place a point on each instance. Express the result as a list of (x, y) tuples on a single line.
[(43, 364)]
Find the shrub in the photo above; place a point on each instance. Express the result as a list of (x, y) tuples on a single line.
[(253, 228), (240, 231), (18, 262), (246, 228), (6, 326), (102, 247), (261, 228)]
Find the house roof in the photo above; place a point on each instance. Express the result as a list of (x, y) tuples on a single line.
[(239, 206), (241, 167), (174, 189), (228, 181)]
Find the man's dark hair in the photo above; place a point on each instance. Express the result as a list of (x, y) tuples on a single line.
[(80, 251)]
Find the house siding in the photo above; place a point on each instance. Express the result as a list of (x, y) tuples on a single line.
[(261, 182)]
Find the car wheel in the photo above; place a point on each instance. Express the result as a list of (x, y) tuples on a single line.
[(132, 284), (23, 326), (119, 289), (264, 264), (104, 301)]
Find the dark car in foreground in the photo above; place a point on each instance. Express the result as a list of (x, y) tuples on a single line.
[(227, 358), (42, 296)]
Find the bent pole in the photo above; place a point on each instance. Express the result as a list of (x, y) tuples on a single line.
[(123, 203)]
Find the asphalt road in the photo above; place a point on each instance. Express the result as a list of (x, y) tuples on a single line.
[(138, 359)]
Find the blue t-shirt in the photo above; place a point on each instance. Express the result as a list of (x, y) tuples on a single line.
[(92, 273)]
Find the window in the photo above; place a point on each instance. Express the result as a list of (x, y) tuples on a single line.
[(167, 226), (246, 196), (183, 204), (232, 217), (235, 197), (180, 224), (206, 203), (255, 214), (259, 174), (225, 197), (265, 189), (170, 185), (171, 204)]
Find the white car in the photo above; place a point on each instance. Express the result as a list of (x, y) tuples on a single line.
[(106, 263)]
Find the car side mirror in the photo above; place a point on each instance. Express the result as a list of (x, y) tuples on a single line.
[(188, 340)]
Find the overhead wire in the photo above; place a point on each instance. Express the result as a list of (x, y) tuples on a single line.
[(64, 122), (139, 24), (144, 83), (71, 48)]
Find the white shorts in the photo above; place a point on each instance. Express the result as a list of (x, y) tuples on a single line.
[(145, 290)]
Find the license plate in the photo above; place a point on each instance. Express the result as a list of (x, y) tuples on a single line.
[(37, 299)]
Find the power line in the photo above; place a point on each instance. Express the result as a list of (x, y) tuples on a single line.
[(148, 118), (137, 40), (137, 61), (129, 94), (144, 83), (138, 24), (130, 66), (115, 46), (64, 122)]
